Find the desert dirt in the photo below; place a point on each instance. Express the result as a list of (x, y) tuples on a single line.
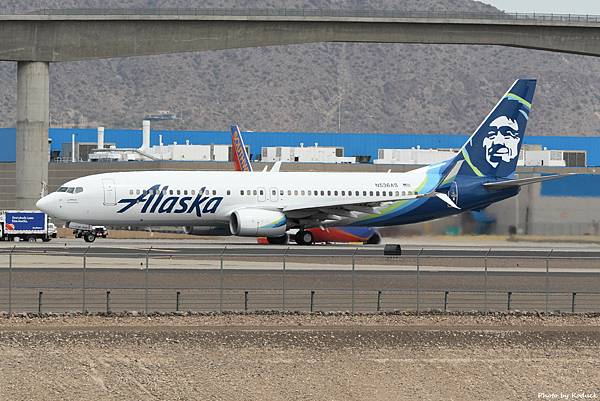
[(299, 357)]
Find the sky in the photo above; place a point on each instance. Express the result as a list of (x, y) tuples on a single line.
[(548, 6)]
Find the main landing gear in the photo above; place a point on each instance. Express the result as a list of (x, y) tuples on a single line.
[(304, 238)]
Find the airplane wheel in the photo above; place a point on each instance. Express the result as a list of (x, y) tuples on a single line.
[(374, 240), (282, 240), (304, 238)]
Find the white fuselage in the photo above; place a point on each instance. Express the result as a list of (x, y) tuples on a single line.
[(207, 198)]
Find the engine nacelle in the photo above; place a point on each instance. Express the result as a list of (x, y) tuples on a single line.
[(257, 223), (220, 231)]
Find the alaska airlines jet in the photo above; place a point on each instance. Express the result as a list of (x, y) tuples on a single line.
[(367, 235), (267, 205)]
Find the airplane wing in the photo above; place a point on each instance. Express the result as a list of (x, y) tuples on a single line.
[(523, 181), (331, 211)]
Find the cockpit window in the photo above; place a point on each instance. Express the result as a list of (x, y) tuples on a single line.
[(62, 189), (70, 190), (78, 190)]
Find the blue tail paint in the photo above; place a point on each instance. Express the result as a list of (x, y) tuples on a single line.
[(493, 149)]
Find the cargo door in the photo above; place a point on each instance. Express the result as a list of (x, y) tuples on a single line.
[(110, 194)]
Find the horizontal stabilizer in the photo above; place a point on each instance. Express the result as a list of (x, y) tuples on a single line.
[(523, 181)]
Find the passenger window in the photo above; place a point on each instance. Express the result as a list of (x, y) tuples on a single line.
[(131, 192), (207, 192), (328, 193), (193, 192), (403, 193), (357, 193), (262, 192), (78, 190), (70, 190), (289, 192), (364, 193), (228, 192), (185, 191), (241, 192), (255, 193), (335, 193), (214, 191), (377, 193), (302, 192), (309, 192), (170, 192), (178, 192), (281, 192), (273, 192), (370, 193), (137, 191), (397, 193), (410, 192), (322, 193), (296, 192)]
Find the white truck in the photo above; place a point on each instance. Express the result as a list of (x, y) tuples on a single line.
[(26, 225)]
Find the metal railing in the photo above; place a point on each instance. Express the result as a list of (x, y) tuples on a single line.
[(157, 280), (314, 12)]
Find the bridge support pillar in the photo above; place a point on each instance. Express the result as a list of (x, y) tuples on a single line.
[(33, 114)]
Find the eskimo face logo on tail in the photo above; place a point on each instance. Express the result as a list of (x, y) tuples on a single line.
[(502, 141), (155, 200)]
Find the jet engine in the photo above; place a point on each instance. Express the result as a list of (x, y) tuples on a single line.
[(257, 223)]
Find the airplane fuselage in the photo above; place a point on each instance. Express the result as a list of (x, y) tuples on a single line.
[(208, 198)]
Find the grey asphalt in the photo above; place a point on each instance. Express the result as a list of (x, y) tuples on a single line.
[(155, 248)]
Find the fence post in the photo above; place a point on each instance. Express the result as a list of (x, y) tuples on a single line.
[(446, 301), (10, 255), (548, 278), (509, 297), (178, 301), (221, 278), (283, 280), (419, 281), (245, 301), (573, 302), (108, 302), (312, 300), (146, 281), (353, 278), (40, 301), (485, 281), (379, 301), (83, 282)]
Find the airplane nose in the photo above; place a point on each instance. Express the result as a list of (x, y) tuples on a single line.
[(44, 204)]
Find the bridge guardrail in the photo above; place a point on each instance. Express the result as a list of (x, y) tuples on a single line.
[(314, 12)]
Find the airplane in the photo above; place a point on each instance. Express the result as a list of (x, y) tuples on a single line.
[(366, 235), (256, 204)]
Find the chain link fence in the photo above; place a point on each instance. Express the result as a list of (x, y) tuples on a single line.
[(85, 280)]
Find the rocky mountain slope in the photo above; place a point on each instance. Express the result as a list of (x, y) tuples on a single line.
[(377, 87)]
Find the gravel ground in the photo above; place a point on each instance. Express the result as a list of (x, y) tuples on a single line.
[(300, 357)]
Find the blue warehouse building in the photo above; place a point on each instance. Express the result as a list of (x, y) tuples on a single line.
[(354, 144)]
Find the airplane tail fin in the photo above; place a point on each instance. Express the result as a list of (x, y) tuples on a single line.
[(240, 156), (493, 149)]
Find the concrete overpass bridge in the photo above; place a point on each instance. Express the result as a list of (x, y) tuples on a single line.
[(37, 39)]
